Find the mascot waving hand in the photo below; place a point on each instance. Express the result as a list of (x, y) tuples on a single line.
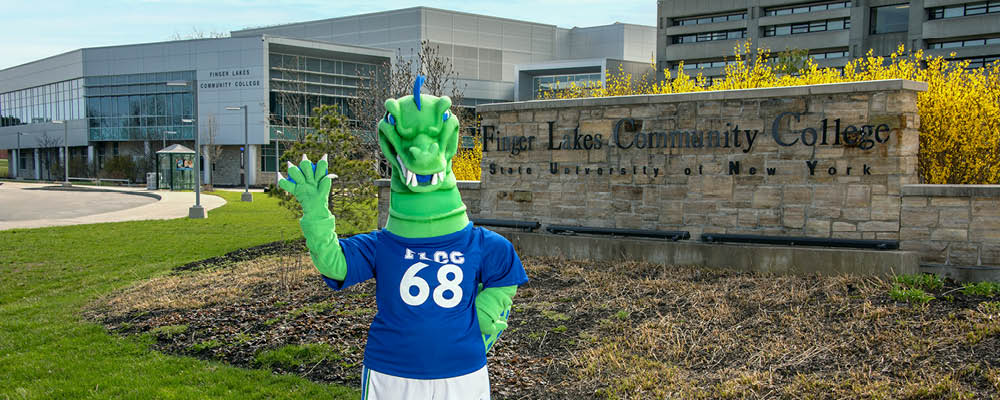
[(443, 286)]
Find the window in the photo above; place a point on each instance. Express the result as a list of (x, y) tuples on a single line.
[(808, 27), (138, 106), (710, 19), (805, 8), (964, 43), (25, 159), (961, 10), (979, 62), (888, 19), (552, 83), (267, 160), (709, 80), (709, 64), (710, 36), (300, 82), (41, 104)]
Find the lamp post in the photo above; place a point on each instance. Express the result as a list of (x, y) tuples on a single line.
[(196, 211), (246, 152), (277, 166), (65, 151)]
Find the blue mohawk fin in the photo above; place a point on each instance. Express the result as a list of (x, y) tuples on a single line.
[(416, 90)]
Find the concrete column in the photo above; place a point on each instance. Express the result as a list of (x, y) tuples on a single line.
[(754, 12), (145, 147), (38, 168), (91, 161), (252, 163), (206, 178), (15, 170)]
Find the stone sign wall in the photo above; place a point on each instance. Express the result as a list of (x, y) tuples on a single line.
[(952, 224), (818, 161)]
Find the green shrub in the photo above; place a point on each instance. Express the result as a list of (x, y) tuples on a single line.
[(294, 355), (119, 167), (916, 296), (985, 289), (928, 282)]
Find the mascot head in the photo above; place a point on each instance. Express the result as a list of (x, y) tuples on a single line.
[(419, 137)]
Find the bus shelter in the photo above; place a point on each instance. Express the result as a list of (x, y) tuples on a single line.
[(175, 168)]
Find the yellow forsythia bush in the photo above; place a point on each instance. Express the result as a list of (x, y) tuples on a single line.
[(959, 113), (466, 164)]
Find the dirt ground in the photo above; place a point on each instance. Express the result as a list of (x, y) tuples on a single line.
[(597, 330)]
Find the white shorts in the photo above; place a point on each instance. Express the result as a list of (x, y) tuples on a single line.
[(378, 386)]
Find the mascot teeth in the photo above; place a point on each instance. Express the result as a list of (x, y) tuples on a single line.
[(410, 178)]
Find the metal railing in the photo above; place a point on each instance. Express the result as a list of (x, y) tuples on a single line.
[(801, 241), (570, 230), (506, 223), (98, 181)]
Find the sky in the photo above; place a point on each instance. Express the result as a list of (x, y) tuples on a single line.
[(32, 30)]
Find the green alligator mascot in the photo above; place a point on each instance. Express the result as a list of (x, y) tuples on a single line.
[(443, 287)]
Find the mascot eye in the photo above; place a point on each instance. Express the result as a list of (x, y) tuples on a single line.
[(447, 114), (390, 119)]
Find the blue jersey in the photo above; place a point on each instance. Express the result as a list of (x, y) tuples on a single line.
[(425, 289)]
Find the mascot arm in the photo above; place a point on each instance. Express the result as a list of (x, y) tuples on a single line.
[(310, 185), (490, 304), (321, 239)]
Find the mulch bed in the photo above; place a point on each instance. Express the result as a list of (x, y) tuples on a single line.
[(626, 329)]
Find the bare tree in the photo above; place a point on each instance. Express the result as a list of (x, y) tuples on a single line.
[(196, 33), (51, 145), (440, 73), (213, 150), (394, 80)]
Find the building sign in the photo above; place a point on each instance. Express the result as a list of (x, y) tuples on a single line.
[(229, 78), (824, 161), (626, 135)]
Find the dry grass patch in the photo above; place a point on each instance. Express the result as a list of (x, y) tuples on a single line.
[(612, 330), (190, 290)]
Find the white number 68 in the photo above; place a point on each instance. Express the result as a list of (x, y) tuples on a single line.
[(410, 279)]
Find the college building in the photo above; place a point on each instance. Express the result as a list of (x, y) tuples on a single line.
[(134, 100), (703, 33)]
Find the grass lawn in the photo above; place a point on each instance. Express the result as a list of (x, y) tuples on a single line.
[(48, 275)]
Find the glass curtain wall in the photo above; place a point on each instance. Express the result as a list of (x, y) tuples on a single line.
[(56, 101), (139, 106), (555, 83), (299, 84)]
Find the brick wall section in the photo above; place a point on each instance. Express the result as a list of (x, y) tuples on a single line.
[(790, 202), (952, 224)]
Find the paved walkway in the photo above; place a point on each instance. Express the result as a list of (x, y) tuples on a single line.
[(34, 205)]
